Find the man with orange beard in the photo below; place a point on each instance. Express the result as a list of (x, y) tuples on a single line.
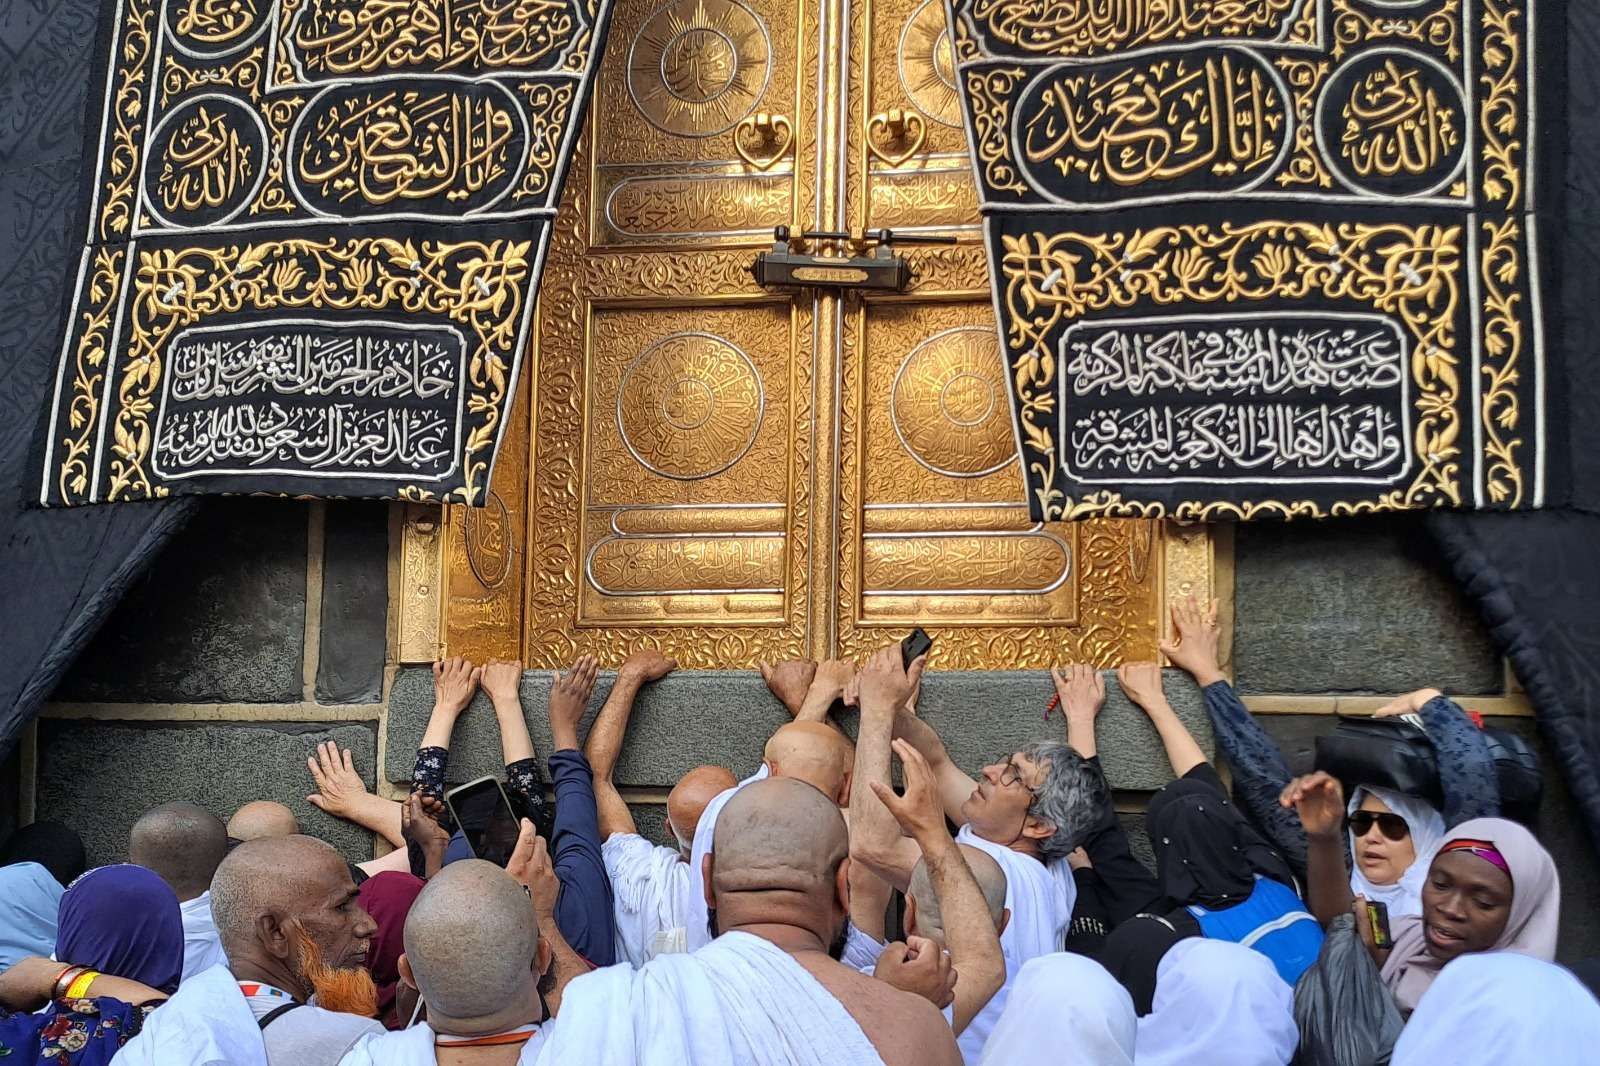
[(295, 991)]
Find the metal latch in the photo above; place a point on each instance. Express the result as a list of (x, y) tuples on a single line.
[(801, 262)]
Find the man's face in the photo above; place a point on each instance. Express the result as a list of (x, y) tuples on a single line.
[(332, 917), (997, 809)]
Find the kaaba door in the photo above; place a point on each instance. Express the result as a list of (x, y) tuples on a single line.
[(732, 474)]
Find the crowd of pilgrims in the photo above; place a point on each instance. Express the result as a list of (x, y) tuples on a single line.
[(813, 912)]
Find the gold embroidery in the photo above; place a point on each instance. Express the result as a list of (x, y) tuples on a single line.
[(1091, 27)]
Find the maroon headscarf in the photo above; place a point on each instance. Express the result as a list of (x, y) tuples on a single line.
[(388, 898)]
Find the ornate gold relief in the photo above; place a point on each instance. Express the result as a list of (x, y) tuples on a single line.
[(421, 582), (696, 67)]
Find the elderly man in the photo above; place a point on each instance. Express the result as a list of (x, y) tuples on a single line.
[(650, 884), (295, 991), (1027, 813), (183, 844), (770, 988)]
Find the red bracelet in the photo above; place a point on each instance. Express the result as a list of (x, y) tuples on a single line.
[(64, 979)]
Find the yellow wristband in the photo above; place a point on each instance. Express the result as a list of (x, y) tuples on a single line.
[(79, 988)]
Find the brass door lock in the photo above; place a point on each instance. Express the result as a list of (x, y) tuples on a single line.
[(791, 265)]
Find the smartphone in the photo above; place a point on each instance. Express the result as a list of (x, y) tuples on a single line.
[(484, 813), (1378, 916), (915, 646)]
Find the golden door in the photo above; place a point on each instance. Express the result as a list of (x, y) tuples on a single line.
[(732, 474)]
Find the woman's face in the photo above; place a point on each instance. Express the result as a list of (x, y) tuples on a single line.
[(1466, 903), (1381, 860)]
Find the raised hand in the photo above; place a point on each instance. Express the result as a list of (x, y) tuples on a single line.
[(419, 825), (569, 698), (454, 681), (919, 810), (646, 665), (790, 681), (1319, 800), (1141, 682), (340, 790), (1193, 645), (1082, 690), (921, 967), (531, 868), (885, 685), (1410, 703)]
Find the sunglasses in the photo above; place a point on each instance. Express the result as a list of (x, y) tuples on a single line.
[(1390, 825)]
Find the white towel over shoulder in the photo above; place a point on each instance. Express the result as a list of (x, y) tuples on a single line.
[(206, 1023), (738, 1000)]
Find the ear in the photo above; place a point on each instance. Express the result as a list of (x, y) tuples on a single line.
[(1037, 829), (911, 917), (273, 936), (842, 800), (772, 767), (1005, 921), (406, 974), (705, 880), (841, 884), (543, 955)]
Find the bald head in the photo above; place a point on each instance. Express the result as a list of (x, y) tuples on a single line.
[(815, 753), (280, 876), (991, 882), (182, 844), (471, 939), (261, 819), (778, 835), (688, 799)]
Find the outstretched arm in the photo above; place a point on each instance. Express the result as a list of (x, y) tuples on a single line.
[(1082, 692), (1141, 682), (1319, 799), (604, 745), (790, 680), (832, 679), (875, 839), (531, 867), (28, 983), (1466, 769), (969, 930), (454, 682), (954, 786), (342, 793)]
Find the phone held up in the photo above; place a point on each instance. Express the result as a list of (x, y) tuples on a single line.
[(915, 646), (483, 811)]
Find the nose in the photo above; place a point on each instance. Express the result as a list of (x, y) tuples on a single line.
[(1373, 835), (993, 771), (1450, 906)]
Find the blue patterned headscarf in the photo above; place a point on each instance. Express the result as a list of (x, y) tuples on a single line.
[(29, 898)]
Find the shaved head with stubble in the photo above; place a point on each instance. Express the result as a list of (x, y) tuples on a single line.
[(261, 819), (815, 753), (924, 916), (691, 795), (472, 948), (182, 844)]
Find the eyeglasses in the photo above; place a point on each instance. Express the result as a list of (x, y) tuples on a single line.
[(1390, 825), (1012, 775)]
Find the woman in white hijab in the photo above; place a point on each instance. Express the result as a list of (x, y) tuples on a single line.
[(1392, 840), (1501, 1007), (1217, 1004), (1065, 1010)]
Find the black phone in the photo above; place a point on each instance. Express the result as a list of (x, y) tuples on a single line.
[(484, 812), (1378, 917), (915, 646)]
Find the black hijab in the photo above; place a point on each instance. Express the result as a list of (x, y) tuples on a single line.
[(1133, 952), (1206, 852)]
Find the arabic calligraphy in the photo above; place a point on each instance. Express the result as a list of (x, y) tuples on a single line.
[(206, 161), (1228, 442), (1259, 355), (1097, 27), (214, 25), (359, 398), (338, 38), (1186, 121), (457, 149), (1399, 122)]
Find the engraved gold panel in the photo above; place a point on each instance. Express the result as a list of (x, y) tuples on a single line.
[(733, 475)]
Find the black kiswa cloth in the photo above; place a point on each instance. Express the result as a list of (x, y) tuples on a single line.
[(1206, 853)]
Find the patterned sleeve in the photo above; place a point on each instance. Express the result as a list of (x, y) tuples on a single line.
[(526, 785), (1259, 772), (1466, 770), (427, 775)]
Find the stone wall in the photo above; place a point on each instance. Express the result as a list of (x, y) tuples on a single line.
[(264, 629)]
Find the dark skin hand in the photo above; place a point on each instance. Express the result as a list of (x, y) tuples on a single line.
[(419, 821)]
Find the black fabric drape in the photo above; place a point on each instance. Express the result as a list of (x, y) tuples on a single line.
[(62, 571)]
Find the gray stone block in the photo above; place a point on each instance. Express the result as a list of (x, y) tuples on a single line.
[(219, 618), (1354, 605), (98, 777), (725, 717), (355, 602), (650, 819)]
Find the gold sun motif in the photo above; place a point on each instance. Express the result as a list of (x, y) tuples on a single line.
[(696, 67), (928, 66)]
